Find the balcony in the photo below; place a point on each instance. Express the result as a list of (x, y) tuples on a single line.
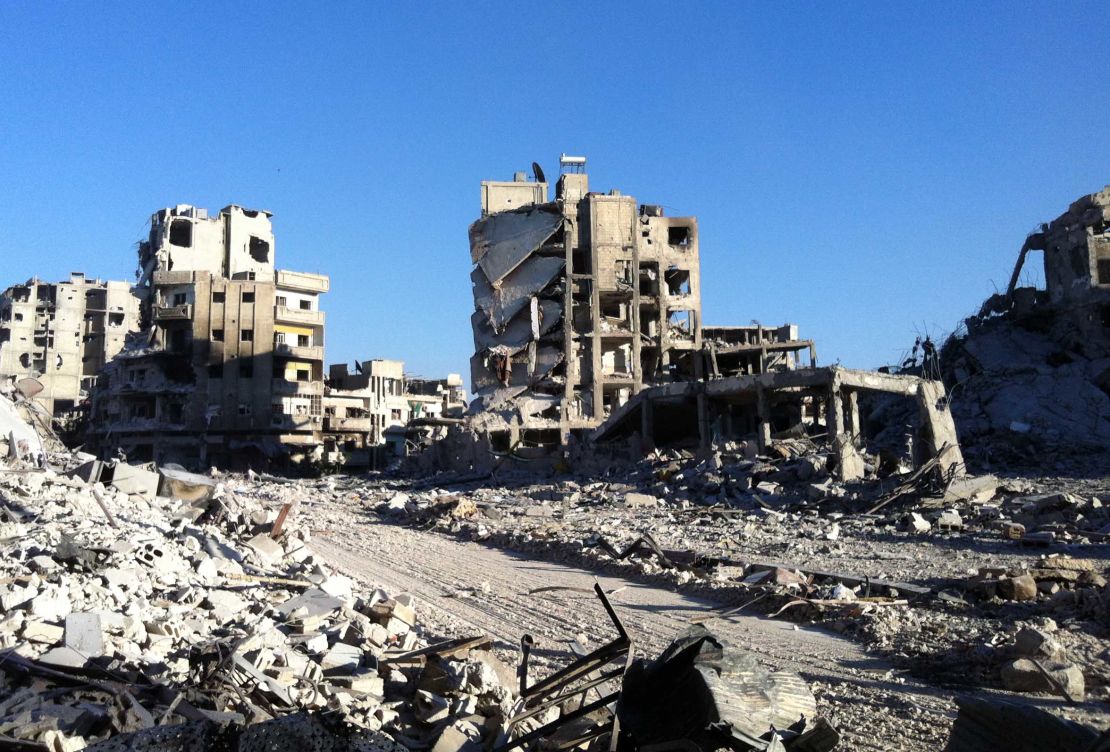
[(295, 422), (355, 425), (286, 388), (285, 315), (309, 352), (183, 312), (301, 281)]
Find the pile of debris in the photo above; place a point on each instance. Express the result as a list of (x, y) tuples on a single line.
[(930, 571), (149, 607), (1030, 376)]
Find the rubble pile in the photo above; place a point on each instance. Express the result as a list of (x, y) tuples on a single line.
[(1030, 375), (936, 574), (126, 612), (149, 607), (1028, 392)]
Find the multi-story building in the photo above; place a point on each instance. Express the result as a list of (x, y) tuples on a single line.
[(63, 333), (433, 399), (360, 407), (369, 414), (228, 368), (582, 302)]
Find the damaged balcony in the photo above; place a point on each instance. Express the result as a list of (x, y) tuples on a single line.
[(182, 312)]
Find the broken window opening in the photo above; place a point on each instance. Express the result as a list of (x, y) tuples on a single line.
[(248, 297), (217, 335), (181, 233), (25, 360), (259, 250), (246, 335), (19, 317), (681, 323), (678, 236), (1104, 271), (306, 305), (303, 375), (115, 319), (244, 408), (218, 297), (678, 281), (179, 298), (302, 340)]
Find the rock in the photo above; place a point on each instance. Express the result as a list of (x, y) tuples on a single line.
[(638, 500), (1023, 675), (1020, 588), (84, 634), (1037, 643), (224, 603), (915, 523), (64, 656), (341, 658), (268, 549), (41, 632)]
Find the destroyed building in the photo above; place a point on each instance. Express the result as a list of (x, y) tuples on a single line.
[(368, 413), (62, 334), (588, 323), (1031, 371), (581, 302), (228, 366)]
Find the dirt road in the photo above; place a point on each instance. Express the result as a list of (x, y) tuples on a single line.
[(465, 588)]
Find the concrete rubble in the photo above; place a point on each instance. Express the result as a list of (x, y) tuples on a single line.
[(1030, 373), (863, 558), (153, 608)]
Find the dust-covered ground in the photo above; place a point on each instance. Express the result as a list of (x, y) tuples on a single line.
[(886, 665)]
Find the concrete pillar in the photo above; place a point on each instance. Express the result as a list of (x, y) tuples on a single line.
[(704, 439), (938, 428), (763, 412), (647, 425), (852, 417)]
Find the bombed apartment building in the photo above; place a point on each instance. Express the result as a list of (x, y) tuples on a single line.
[(1076, 257), (588, 323), (372, 414), (584, 300), (228, 366), (359, 408), (62, 334)]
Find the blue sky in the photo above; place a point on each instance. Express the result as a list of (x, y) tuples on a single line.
[(867, 172)]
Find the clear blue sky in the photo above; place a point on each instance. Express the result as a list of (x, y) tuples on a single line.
[(868, 173)]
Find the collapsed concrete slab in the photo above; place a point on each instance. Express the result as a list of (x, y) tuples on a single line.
[(806, 401)]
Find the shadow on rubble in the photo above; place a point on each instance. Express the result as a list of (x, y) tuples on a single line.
[(980, 543)]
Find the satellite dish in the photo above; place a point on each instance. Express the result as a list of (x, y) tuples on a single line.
[(538, 172)]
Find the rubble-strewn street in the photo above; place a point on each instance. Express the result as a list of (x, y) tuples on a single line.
[(161, 607)]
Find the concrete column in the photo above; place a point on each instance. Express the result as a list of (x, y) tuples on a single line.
[(647, 425), (763, 411), (704, 439), (852, 416)]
